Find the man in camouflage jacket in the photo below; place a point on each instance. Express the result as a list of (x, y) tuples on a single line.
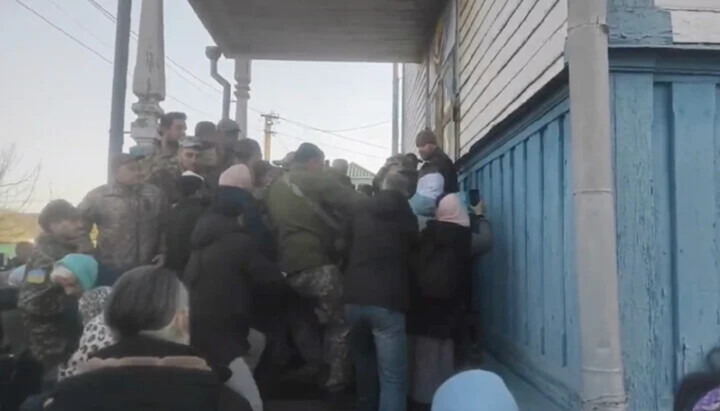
[(50, 317), (130, 217), (161, 168)]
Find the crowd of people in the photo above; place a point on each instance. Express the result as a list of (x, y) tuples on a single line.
[(213, 275)]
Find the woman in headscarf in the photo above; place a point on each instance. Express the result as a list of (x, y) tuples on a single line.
[(236, 188), (475, 390), (96, 334), (440, 296)]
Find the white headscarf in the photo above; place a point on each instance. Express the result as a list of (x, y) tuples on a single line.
[(474, 390)]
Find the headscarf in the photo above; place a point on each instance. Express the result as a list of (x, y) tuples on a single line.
[(238, 176), (475, 390), (83, 267), (452, 210), (92, 303)]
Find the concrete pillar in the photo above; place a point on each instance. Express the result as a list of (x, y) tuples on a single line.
[(149, 74), (243, 76)]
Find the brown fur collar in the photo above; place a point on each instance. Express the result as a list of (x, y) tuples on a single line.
[(185, 362)]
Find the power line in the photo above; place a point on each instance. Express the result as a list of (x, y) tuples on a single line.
[(329, 146), (97, 53), (68, 35), (360, 127), (331, 133), (110, 16), (78, 23)]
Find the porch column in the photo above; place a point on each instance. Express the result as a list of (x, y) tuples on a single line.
[(243, 76), (149, 74)]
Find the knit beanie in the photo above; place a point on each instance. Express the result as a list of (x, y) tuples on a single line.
[(83, 267), (475, 390), (425, 137), (238, 176)]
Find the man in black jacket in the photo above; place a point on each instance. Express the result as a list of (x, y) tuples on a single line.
[(182, 219), (225, 272), (377, 295), (436, 161)]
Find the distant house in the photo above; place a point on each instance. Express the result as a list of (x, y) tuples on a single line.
[(360, 175), (14, 228)]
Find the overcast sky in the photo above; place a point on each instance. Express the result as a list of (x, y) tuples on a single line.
[(55, 102)]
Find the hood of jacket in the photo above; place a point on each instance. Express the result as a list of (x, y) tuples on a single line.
[(388, 204), (212, 226)]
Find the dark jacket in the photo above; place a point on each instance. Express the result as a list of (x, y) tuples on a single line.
[(439, 162), (378, 272), (224, 273), (181, 223), (444, 250), (141, 373)]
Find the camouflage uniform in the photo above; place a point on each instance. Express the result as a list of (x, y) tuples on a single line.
[(325, 285), (163, 171), (50, 317), (130, 221)]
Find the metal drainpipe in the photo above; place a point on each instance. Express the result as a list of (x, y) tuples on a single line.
[(595, 226), (213, 53)]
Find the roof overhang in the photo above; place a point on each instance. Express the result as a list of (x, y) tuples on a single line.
[(322, 30)]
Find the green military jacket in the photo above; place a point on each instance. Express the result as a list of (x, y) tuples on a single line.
[(305, 239)]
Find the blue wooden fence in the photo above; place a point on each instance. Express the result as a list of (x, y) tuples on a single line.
[(667, 155), (526, 288)]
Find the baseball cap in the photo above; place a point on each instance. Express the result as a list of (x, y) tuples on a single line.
[(286, 161), (226, 125), (205, 130), (121, 159), (193, 142)]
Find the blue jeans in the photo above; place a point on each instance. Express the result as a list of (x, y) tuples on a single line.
[(378, 346)]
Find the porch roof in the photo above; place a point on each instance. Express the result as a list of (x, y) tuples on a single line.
[(326, 30)]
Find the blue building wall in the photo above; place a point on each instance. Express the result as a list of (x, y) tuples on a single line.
[(526, 289), (666, 131), (667, 165)]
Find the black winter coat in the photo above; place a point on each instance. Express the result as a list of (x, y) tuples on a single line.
[(439, 162), (226, 270), (382, 238), (444, 250), (181, 223), (117, 383)]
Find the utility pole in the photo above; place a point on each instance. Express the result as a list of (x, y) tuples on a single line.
[(269, 122), (120, 67), (396, 111)]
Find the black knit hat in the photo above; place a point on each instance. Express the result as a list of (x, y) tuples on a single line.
[(425, 137), (55, 212), (307, 152)]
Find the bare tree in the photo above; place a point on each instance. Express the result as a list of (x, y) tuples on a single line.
[(16, 191)]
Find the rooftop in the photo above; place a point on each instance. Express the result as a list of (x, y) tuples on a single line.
[(326, 30)]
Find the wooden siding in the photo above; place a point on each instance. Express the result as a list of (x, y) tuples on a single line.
[(525, 289), (414, 103), (667, 155), (508, 50)]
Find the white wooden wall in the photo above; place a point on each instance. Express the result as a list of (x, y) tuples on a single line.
[(694, 21), (414, 103), (508, 49)]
